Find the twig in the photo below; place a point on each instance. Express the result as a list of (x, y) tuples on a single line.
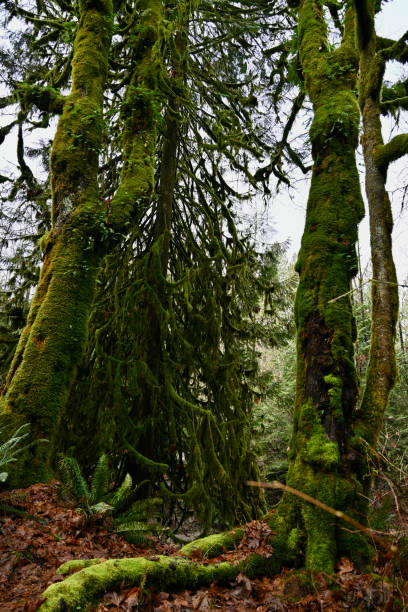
[(337, 513), (370, 280), (389, 483)]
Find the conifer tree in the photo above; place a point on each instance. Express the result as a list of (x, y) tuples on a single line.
[(174, 416)]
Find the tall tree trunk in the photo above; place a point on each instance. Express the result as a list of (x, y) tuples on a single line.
[(148, 408), (40, 375), (382, 367), (327, 391), (51, 345)]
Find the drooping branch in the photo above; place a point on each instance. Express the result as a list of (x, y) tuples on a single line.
[(275, 164)]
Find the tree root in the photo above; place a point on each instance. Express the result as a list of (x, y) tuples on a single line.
[(213, 545), (166, 573)]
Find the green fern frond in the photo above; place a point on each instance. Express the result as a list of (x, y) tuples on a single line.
[(138, 538), (137, 532), (137, 526), (9, 450), (73, 482), (100, 480), (119, 498), (100, 508)]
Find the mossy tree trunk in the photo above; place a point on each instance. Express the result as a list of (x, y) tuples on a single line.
[(83, 231), (40, 375), (327, 392), (381, 372)]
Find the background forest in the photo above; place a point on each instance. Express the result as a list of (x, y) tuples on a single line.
[(158, 352)]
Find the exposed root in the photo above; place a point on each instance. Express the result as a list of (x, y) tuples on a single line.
[(167, 573)]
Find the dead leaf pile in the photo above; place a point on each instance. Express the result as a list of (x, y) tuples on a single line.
[(31, 549)]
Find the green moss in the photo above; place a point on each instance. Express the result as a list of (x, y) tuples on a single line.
[(296, 539), (141, 110), (165, 573), (45, 98), (214, 545), (40, 376), (326, 379), (76, 565), (393, 150)]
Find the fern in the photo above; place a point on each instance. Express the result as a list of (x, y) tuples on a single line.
[(9, 450), (142, 509), (135, 524), (120, 498), (73, 482), (137, 532), (132, 518), (100, 480)]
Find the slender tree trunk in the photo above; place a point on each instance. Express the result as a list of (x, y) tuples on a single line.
[(326, 378), (148, 408), (382, 367)]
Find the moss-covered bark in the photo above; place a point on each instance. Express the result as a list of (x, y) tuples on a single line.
[(382, 367), (50, 346), (326, 379), (166, 573), (95, 576), (83, 231)]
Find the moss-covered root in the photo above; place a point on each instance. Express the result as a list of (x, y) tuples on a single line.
[(214, 545), (165, 573)]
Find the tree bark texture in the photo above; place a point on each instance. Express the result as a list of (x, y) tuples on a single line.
[(327, 391), (82, 232), (382, 368)]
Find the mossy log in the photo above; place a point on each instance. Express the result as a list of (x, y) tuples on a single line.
[(213, 545), (95, 576), (166, 573)]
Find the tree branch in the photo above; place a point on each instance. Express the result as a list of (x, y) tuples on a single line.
[(393, 150), (44, 98), (365, 21), (390, 106), (395, 49), (394, 97)]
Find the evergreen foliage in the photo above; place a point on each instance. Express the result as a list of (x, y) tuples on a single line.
[(181, 274), (11, 448)]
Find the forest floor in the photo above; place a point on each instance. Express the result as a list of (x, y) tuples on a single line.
[(32, 550)]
